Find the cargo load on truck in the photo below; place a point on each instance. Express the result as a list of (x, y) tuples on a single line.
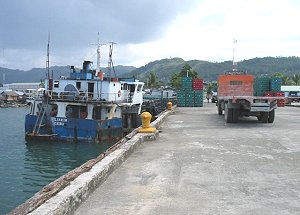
[(241, 94)]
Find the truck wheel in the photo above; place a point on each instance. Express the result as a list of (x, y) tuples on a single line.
[(235, 115), (271, 116), (265, 117), (228, 114), (220, 111)]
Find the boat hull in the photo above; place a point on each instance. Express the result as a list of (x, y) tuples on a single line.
[(73, 130)]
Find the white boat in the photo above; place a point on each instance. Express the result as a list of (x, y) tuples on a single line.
[(86, 106)]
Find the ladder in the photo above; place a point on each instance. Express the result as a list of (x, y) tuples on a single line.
[(40, 118)]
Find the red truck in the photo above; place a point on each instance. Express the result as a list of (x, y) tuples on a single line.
[(236, 98)]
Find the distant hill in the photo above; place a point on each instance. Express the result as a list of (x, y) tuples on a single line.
[(36, 74), (164, 68), (210, 70)]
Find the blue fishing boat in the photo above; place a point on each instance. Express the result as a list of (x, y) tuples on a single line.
[(86, 106)]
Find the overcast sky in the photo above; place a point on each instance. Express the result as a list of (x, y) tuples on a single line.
[(146, 30)]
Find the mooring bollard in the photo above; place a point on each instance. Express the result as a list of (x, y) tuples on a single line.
[(169, 106), (146, 127)]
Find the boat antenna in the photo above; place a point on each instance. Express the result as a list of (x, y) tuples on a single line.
[(234, 64), (98, 44), (110, 61)]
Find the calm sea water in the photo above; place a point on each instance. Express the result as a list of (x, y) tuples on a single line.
[(26, 167)]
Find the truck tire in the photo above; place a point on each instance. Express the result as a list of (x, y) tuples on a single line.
[(271, 116), (220, 111), (265, 117), (235, 115), (228, 114), (259, 117)]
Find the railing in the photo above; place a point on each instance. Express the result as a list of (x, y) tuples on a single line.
[(81, 96), (84, 96)]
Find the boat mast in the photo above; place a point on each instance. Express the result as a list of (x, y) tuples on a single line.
[(98, 44), (98, 56), (48, 58)]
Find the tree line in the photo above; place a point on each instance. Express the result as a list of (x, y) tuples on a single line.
[(288, 80), (152, 80)]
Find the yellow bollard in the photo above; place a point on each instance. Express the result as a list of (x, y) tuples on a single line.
[(146, 127), (169, 105)]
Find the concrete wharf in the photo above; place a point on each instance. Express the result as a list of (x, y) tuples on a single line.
[(201, 165)]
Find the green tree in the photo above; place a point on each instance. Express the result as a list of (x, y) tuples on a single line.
[(153, 81), (42, 83), (176, 80), (296, 79), (278, 75), (285, 79), (211, 87), (185, 71)]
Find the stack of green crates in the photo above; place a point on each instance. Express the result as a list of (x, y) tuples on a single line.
[(275, 84), (181, 98), (187, 83), (198, 95), (187, 97), (261, 85)]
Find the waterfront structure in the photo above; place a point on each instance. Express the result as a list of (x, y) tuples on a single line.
[(22, 86), (9, 95)]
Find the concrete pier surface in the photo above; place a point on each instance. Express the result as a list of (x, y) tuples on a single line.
[(201, 165)]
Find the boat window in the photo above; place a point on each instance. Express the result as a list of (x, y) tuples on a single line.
[(76, 112), (121, 86), (132, 88), (53, 111), (83, 112), (56, 84), (139, 88), (97, 113), (91, 89), (78, 85)]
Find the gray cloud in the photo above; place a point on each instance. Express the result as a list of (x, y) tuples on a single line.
[(74, 23)]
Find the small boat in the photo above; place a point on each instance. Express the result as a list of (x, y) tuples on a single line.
[(86, 106)]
